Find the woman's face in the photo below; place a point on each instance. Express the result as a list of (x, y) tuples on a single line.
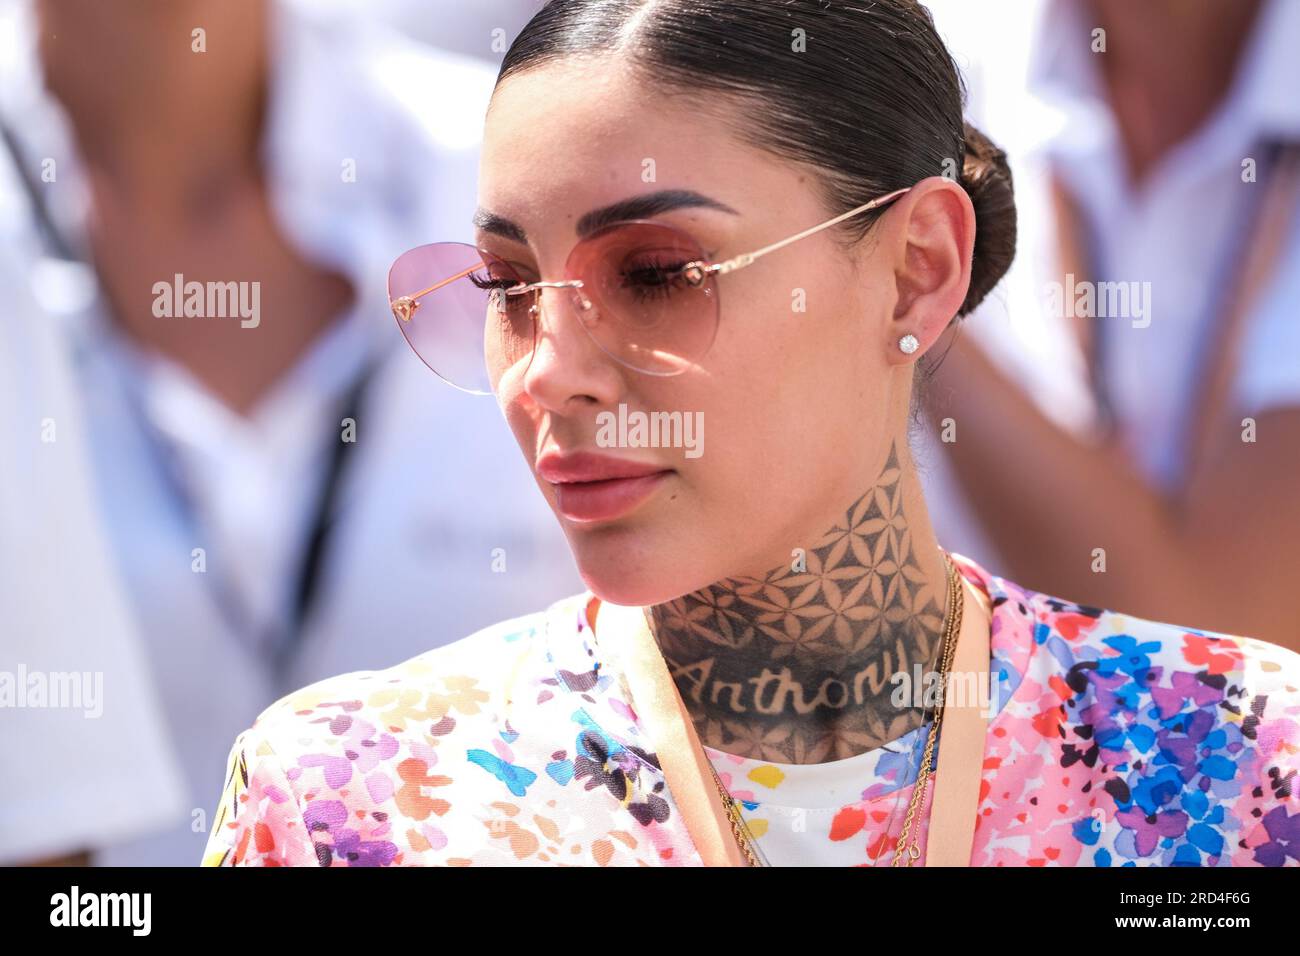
[(799, 395)]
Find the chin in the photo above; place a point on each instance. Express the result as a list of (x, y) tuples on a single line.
[(628, 566)]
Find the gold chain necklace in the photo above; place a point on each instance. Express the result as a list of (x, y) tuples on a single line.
[(912, 852), (952, 626)]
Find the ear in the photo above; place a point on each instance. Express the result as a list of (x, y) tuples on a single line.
[(931, 239)]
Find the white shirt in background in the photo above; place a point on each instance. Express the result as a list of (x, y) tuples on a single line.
[(1034, 90), (97, 767), (440, 530)]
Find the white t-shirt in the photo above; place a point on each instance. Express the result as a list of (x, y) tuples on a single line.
[(838, 813), (1035, 90), (1178, 235)]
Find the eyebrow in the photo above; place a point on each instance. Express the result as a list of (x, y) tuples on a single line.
[(634, 207)]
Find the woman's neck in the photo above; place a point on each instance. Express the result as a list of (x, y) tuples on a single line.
[(797, 666)]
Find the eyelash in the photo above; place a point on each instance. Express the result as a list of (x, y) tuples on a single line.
[(643, 290)]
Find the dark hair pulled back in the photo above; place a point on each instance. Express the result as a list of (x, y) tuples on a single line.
[(865, 94)]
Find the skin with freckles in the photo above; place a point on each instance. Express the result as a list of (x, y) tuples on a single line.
[(791, 568)]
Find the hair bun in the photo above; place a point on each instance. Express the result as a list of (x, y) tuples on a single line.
[(986, 177)]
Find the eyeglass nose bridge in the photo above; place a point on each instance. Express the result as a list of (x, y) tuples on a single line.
[(584, 303), (587, 313), (519, 290)]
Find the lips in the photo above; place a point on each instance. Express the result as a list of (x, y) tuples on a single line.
[(591, 487)]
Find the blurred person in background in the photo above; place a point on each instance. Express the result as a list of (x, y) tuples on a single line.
[(1167, 164), (288, 493), (82, 745)]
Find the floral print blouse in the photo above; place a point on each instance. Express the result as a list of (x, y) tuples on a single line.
[(1117, 741)]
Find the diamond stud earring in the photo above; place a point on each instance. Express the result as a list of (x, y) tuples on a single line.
[(908, 343)]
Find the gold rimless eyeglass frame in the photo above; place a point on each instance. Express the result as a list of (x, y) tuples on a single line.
[(695, 273)]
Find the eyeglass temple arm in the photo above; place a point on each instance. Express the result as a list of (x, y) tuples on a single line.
[(745, 258), (439, 285), (404, 306), (730, 265)]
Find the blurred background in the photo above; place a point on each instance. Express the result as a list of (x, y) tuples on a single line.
[(200, 514)]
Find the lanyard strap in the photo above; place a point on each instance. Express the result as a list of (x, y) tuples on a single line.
[(632, 649), (320, 531), (668, 725), (962, 737)]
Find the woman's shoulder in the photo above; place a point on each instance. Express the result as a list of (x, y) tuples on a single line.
[(1082, 640), (351, 745), (469, 676), (1172, 745), (1074, 640), (1141, 687)]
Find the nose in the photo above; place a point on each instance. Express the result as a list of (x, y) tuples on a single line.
[(567, 363)]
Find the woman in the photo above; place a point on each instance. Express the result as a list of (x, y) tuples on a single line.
[(760, 216)]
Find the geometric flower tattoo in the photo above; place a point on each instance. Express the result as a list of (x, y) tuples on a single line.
[(795, 666)]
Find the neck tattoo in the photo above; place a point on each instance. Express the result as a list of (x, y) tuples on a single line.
[(796, 666)]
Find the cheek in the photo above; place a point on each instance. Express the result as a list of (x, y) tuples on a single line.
[(516, 407), (524, 426), (794, 357), (788, 391)]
